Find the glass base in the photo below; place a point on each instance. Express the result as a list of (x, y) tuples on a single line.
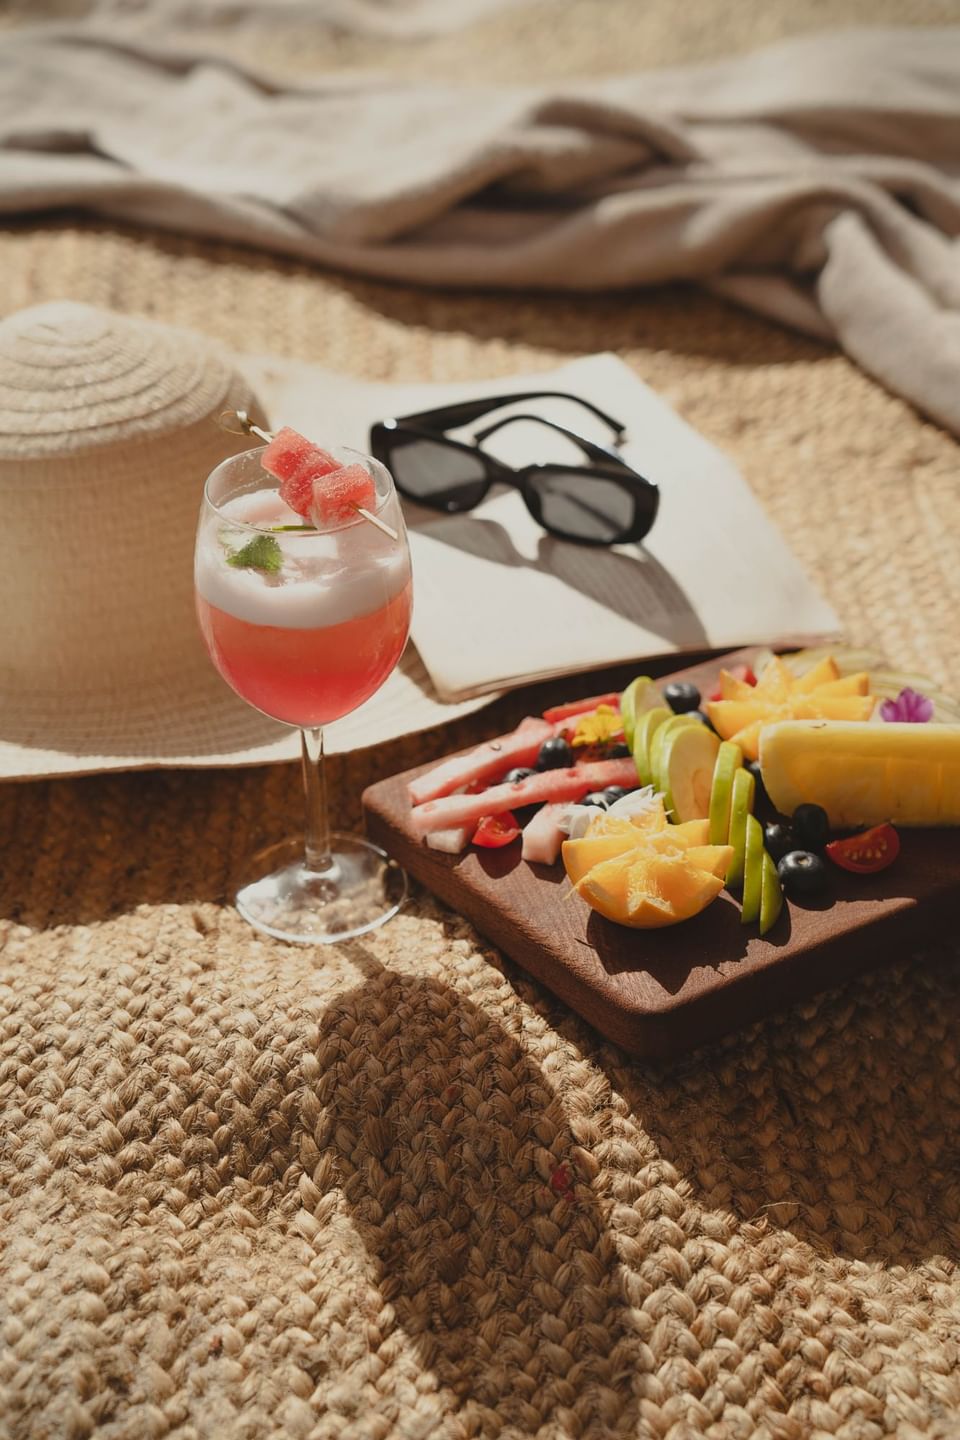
[(362, 889)]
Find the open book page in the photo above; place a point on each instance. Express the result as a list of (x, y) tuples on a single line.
[(499, 602)]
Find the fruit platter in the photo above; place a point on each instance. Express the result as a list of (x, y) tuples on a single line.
[(678, 857)]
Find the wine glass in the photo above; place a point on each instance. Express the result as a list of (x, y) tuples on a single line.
[(305, 624)]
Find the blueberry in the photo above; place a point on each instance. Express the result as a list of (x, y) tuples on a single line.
[(779, 839), (555, 754), (802, 873), (513, 776), (596, 797), (681, 696), (811, 826), (619, 751), (613, 793), (702, 716)]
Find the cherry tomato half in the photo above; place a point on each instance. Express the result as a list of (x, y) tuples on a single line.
[(869, 851), (495, 830)]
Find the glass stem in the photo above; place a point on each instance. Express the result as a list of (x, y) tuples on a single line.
[(318, 859)]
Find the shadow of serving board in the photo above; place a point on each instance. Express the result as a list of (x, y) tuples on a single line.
[(660, 993)]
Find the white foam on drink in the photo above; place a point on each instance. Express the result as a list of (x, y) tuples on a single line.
[(324, 578)]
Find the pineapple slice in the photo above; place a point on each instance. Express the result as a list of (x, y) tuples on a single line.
[(864, 774), (822, 693)]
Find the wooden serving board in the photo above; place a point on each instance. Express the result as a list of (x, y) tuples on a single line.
[(659, 993)]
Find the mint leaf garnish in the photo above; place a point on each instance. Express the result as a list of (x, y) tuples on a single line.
[(262, 553)]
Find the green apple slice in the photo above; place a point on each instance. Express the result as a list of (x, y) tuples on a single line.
[(643, 735), (675, 722), (741, 805), (729, 761), (640, 696), (771, 895), (685, 772), (752, 871)]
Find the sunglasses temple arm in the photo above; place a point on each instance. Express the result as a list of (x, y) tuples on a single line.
[(588, 447), (448, 417)]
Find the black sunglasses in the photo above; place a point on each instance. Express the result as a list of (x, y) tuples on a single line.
[(602, 501)]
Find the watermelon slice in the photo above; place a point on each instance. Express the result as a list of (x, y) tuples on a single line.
[(296, 462), (582, 707), (451, 842), (495, 757), (337, 494), (542, 787), (542, 836)]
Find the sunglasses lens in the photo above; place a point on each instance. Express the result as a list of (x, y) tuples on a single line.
[(588, 505), (437, 475)]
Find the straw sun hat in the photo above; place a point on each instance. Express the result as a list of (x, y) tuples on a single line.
[(107, 434)]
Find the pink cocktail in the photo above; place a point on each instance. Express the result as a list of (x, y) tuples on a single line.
[(306, 622), (312, 675)]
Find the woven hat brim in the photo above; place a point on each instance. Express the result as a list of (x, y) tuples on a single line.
[(191, 720)]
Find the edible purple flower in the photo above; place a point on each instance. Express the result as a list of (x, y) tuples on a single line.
[(909, 706)]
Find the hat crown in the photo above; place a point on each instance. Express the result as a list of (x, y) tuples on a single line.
[(107, 434), (74, 377)]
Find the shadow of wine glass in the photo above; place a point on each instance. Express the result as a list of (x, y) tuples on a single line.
[(458, 1169)]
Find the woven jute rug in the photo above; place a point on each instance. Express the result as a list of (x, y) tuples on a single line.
[(393, 1189)]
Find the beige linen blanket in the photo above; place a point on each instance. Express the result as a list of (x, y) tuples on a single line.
[(817, 180), (396, 19)]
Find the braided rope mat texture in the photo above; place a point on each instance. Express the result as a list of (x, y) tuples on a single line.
[(250, 1192)]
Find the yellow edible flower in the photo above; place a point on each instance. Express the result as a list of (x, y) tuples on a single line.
[(602, 725)]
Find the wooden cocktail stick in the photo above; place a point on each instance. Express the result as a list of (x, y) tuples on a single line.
[(247, 427)]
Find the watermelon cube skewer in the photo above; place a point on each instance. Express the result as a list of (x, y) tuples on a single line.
[(299, 464)]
